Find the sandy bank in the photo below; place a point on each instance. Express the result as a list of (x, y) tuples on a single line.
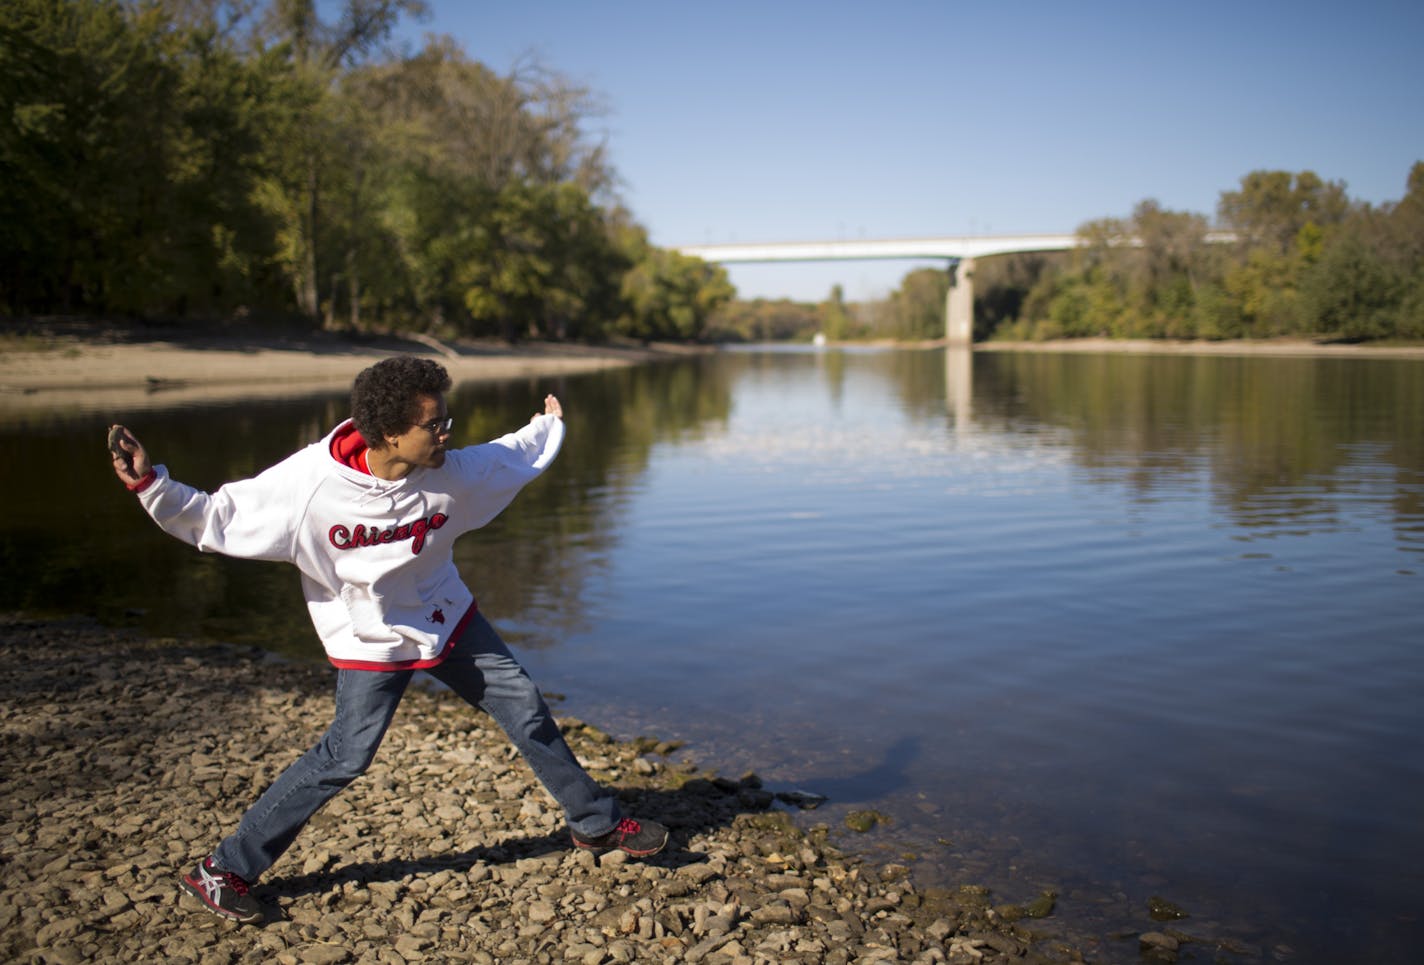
[(127, 369), (1263, 348)]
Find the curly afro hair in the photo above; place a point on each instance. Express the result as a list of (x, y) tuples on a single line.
[(385, 398)]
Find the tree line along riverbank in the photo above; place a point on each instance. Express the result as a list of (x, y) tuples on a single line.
[(214, 163)]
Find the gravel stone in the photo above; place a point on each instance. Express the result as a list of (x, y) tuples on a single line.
[(124, 760)]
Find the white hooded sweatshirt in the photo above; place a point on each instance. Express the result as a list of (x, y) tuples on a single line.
[(375, 555)]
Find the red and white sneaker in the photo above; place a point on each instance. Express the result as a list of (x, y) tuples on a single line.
[(638, 838), (221, 892)]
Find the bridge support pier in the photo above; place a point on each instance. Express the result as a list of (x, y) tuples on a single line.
[(959, 304), (959, 386)]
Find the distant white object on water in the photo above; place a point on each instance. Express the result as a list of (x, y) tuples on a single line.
[(819, 339)]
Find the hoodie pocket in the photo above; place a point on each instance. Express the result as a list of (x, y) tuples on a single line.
[(368, 617)]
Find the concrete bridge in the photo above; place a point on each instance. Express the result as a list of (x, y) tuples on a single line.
[(960, 252)]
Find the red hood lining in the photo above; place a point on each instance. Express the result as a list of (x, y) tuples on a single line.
[(349, 449)]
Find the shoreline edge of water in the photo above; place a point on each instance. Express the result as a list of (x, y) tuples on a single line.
[(126, 367), (126, 757)]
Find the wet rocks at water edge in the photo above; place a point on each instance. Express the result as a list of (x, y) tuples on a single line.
[(864, 820), (1160, 909), (125, 760)]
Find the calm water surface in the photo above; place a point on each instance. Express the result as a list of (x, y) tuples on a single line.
[(1117, 626)]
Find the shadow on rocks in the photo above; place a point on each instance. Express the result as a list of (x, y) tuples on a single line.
[(696, 809)]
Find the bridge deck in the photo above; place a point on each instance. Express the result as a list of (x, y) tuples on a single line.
[(973, 246)]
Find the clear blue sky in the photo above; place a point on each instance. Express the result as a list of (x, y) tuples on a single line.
[(816, 119)]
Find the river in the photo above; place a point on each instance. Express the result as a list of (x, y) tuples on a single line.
[(1122, 627)]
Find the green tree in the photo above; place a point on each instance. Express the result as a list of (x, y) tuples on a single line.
[(316, 138), (763, 320), (834, 316), (1306, 261), (1407, 227), (220, 244), (130, 148), (209, 157), (1170, 242), (1282, 222), (1366, 280), (1086, 297), (1166, 269), (666, 294), (473, 123), (917, 307), (1352, 293), (1271, 207), (1003, 282), (457, 152), (541, 263)]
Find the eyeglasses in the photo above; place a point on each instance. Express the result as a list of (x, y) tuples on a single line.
[(437, 427)]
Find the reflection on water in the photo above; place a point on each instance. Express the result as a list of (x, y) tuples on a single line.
[(1121, 626)]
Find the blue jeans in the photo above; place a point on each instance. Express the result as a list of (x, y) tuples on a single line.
[(481, 670)]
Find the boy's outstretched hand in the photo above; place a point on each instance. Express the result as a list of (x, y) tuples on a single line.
[(131, 462)]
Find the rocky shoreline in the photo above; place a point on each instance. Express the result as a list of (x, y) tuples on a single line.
[(125, 759)]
